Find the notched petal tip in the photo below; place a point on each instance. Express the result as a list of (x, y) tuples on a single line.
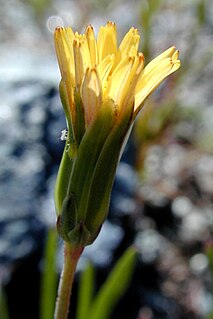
[(58, 32), (89, 28), (110, 24), (134, 30), (141, 56), (59, 28), (76, 43), (89, 31), (175, 55)]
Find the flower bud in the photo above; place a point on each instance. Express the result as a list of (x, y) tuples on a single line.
[(103, 87)]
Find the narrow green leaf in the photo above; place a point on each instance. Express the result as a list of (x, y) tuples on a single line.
[(86, 287), (49, 278), (114, 287)]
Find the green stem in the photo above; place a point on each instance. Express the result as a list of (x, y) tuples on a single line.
[(71, 257)]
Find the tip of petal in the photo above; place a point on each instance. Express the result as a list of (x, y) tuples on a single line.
[(141, 56), (58, 31), (110, 24), (89, 29), (175, 55), (134, 31), (76, 43), (59, 28)]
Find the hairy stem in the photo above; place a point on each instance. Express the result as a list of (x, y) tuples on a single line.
[(71, 257)]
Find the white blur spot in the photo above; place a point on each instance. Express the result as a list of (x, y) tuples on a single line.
[(181, 206), (198, 263), (5, 112), (53, 22), (64, 135)]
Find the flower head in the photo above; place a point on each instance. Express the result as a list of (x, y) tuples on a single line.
[(103, 87), (99, 70)]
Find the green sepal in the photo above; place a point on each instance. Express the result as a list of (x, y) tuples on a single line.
[(79, 125), (68, 228), (88, 154), (67, 220), (62, 180), (104, 173), (73, 231), (71, 145), (79, 235)]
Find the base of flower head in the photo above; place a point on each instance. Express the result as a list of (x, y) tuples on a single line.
[(79, 236)]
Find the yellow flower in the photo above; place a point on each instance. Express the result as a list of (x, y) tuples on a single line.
[(103, 87), (99, 70)]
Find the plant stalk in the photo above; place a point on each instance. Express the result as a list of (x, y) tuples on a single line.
[(71, 257)]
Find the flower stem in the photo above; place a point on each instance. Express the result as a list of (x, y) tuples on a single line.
[(71, 257)]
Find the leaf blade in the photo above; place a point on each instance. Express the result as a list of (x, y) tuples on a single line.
[(114, 287)]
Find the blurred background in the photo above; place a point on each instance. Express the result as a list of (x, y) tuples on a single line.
[(162, 200)]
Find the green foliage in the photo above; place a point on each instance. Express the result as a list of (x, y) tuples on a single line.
[(209, 254), (4, 313), (148, 11), (40, 6), (153, 121), (49, 278), (112, 290), (201, 12), (86, 287), (114, 287)]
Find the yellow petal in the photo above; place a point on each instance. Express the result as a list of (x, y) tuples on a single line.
[(129, 89), (132, 38), (107, 40), (63, 43), (81, 57), (118, 79), (166, 54), (92, 45), (104, 68), (151, 66), (152, 80), (64, 50), (175, 55), (128, 45), (91, 93), (133, 51), (123, 80)]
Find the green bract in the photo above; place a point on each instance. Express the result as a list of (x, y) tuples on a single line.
[(84, 183)]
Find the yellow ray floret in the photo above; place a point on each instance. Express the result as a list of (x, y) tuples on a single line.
[(92, 45), (91, 94), (107, 40), (100, 70)]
